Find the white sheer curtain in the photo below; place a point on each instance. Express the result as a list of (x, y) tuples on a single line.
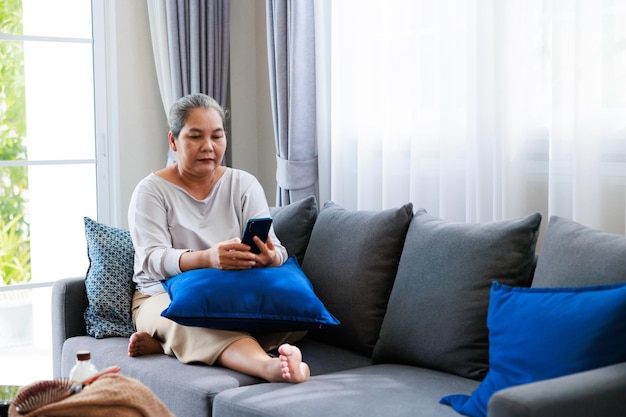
[(480, 110)]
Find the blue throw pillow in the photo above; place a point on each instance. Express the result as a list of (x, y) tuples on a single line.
[(255, 300), (542, 333), (109, 280)]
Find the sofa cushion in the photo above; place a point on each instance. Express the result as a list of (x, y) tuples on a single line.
[(437, 313), (293, 224), (109, 280), (255, 300), (352, 261), (379, 390), (542, 333), (576, 255)]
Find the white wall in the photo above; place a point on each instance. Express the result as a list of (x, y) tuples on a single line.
[(141, 120), (252, 131)]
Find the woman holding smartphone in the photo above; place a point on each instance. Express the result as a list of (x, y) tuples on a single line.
[(191, 215)]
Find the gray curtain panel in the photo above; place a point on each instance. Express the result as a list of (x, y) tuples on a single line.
[(191, 42), (291, 56)]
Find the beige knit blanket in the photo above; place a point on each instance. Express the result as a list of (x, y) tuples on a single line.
[(112, 395)]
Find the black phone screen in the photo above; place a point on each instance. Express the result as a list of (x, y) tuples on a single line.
[(256, 227)]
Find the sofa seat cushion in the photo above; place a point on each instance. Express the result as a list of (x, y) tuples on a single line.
[(378, 390), (437, 313), (196, 384), (186, 389)]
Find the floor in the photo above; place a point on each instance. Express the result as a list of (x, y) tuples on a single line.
[(21, 365)]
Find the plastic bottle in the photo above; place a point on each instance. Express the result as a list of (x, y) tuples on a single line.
[(83, 368)]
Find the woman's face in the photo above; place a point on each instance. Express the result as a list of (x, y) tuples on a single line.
[(201, 144)]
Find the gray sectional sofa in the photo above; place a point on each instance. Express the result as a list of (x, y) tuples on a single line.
[(417, 303)]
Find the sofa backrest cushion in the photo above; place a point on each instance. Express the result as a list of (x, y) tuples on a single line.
[(352, 260), (576, 255), (437, 313), (293, 224)]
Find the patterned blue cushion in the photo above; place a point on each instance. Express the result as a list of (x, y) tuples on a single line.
[(109, 280)]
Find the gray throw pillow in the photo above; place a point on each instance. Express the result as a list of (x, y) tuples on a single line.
[(437, 313), (573, 255), (352, 261), (293, 224)]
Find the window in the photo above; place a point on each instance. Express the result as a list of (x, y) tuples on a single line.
[(48, 170)]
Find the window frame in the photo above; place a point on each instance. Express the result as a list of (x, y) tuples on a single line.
[(106, 120)]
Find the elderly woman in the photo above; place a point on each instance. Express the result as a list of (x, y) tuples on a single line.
[(189, 216)]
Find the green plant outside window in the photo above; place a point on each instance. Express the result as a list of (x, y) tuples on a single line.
[(14, 227)]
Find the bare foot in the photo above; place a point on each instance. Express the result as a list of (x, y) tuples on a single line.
[(291, 365), (141, 343)]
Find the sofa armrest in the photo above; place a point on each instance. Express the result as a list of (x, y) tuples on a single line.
[(599, 392), (69, 302)]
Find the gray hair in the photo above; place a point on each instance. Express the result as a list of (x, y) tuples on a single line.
[(181, 108)]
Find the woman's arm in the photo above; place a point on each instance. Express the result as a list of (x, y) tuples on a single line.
[(148, 224), (230, 254)]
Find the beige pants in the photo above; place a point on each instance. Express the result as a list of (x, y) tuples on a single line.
[(193, 344)]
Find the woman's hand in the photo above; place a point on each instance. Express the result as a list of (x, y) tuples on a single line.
[(268, 256), (229, 254), (232, 254)]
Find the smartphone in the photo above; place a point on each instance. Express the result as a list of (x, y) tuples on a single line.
[(256, 227)]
